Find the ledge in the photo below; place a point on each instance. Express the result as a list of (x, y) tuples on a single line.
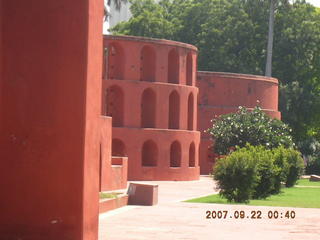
[(236, 76), (151, 40), (128, 81)]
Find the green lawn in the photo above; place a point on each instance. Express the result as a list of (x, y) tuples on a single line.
[(306, 182), (305, 197), (108, 195)]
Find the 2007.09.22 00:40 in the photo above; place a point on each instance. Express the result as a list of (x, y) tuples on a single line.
[(255, 214)]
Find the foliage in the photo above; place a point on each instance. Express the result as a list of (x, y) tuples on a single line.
[(244, 126), (281, 167), (313, 165), (310, 148), (236, 176), (295, 166), (291, 161), (231, 36), (150, 19), (267, 173), (254, 172), (117, 4)]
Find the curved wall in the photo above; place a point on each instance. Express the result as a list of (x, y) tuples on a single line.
[(222, 93), (150, 93)]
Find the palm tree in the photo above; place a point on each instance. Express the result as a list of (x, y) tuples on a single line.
[(270, 40)]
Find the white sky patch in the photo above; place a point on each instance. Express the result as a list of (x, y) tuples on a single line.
[(314, 2)]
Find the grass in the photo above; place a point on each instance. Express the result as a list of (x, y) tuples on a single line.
[(304, 197), (307, 183), (108, 195)]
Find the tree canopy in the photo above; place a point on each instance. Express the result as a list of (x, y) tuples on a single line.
[(231, 36)]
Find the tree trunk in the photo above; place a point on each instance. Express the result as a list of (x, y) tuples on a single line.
[(270, 40)]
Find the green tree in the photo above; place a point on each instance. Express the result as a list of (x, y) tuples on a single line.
[(149, 19), (231, 36), (253, 127)]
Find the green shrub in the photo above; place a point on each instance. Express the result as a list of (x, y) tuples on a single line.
[(295, 167), (254, 172), (266, 172), (280, 164), (236, 176), (253, 127)]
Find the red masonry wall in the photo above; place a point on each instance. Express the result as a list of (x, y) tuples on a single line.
[(222, 93), (49, 119), (149, 90), (113, 170)]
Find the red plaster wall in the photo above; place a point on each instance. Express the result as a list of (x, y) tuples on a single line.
[(49, 129), (134, 138), (222, 93), (113, 171), (144, 67), (119, 173)]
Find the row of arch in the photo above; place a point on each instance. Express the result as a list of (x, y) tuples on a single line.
[(115, 108), (149, 153), (148, 58)]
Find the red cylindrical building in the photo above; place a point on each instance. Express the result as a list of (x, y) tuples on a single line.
[(222, 93), (149, 90)]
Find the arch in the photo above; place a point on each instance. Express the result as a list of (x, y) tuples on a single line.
[(148, 108), (189, 70), (174, 110), (190, 111), (148, 64), (173, 66), (115, 61), (114, 106), (175, 154), (118, 148), (192, 155), (149, 154)]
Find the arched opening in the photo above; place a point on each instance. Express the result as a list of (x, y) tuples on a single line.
[(149, 154), (174, 110), (115, 61), (175, 154), (148, 64), (173, 66), (115, 101), (190, 112), (189, 70), (148, 109), (118, 148), (192, 155)]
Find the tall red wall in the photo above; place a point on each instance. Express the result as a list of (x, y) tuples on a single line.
[(140, 77), (113, 171), (1, 53), (49, 111), (222, 93)]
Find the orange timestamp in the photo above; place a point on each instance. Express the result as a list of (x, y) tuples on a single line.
[(254, 214)]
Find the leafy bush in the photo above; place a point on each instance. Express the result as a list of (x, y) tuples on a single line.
[(280, 163), (236, 176), (255, 172), (266, 172), (295, 166), (253, 127)]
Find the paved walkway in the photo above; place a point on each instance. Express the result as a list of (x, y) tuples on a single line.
[(172, 219)]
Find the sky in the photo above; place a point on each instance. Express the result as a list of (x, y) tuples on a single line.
[(314, 2)]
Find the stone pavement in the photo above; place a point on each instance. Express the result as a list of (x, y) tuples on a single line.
[(172, 219)]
